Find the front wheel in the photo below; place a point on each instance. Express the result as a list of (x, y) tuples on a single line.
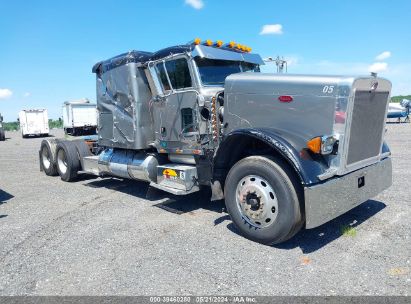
[(262, 198)]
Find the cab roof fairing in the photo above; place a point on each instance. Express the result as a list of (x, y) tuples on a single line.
[(140, 57), (202, 51)]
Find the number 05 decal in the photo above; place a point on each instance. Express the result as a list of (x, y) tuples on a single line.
[(328, 89)]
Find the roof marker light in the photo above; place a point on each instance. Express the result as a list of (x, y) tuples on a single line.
[(208, 42), (219, 43), (231, 44), (197, 41)]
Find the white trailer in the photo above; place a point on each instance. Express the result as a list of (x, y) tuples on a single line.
[(79, 117), (34, 122)]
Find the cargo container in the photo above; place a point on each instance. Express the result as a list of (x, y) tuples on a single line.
[(79, 117), (34, 122)]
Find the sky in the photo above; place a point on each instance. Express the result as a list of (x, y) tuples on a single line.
[(47, 48)]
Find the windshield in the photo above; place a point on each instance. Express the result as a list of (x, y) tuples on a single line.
[(214, 72)]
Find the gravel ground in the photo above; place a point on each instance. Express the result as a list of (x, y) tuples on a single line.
[(114, 237)]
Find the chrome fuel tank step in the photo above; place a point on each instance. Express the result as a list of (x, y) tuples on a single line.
[(178, 176)]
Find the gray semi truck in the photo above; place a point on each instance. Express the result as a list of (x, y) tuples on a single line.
[(2, 133), (282, 150)]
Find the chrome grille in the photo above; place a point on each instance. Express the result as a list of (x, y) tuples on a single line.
[(367, 125)]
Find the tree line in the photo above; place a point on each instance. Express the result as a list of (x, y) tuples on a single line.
[(14, 125)]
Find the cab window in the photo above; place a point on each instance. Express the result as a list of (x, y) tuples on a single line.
[(179, 73)]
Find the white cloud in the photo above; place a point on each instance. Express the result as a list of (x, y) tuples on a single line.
[(378, 67), (272, 29), (383, 55), (292, 60), (5, 93), (197, 4), (27, 94)]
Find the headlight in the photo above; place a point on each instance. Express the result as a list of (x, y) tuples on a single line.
[(322, 144)]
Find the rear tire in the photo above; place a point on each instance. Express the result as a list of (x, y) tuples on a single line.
[(82, 149), (262, 196), (47, 157), (2, 135), (67, 161)]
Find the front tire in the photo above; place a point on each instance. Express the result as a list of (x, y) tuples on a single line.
[(262, 198), (67, 161)]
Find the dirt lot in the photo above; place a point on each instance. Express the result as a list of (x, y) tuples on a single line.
[(109, 236)]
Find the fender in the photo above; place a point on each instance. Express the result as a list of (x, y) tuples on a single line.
[(385, 151), (283, 143)]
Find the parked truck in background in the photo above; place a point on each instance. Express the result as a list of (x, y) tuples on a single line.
[(2, 134), (79, 117), (34, 122), (283, 150)]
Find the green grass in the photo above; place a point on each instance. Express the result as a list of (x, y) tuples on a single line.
[(348, 231)]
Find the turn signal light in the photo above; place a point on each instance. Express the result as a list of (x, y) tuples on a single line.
[(314, 145), (323, 144)]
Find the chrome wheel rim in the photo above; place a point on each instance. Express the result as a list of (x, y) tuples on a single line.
[(256, 201), (62, 161), (45, 158)]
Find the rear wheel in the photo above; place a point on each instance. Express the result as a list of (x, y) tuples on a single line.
[(262, 198), (2, 135), (67, 161), (47, 157)]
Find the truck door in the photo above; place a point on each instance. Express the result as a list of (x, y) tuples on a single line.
[(176, 111)]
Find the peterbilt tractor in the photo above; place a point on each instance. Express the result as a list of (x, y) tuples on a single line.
[(284, 151)]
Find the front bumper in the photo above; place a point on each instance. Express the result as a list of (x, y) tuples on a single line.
[(336, 196)]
